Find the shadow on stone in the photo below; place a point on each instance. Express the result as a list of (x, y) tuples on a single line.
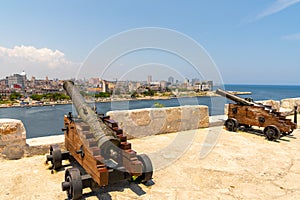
[(13, 152), (103, 192)]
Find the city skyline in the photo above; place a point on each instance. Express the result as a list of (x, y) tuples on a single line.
[(170, 79), (251, 42)]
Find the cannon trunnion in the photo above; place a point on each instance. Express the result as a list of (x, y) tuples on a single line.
[(248, 113), (98, 149)]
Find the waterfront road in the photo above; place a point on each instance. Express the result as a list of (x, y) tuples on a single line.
[(241, 166)]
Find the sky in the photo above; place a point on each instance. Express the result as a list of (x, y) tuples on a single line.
[(248, 41)]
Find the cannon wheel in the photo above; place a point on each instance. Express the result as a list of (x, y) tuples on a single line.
[(74, 182), (147, 169), (231, 124), (272, 132), (55, 151)]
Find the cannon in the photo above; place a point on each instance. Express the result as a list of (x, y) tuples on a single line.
[(247, 113), (99, 148)]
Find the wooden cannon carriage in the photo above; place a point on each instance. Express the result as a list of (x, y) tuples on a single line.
[(100, 148), (248, 113)]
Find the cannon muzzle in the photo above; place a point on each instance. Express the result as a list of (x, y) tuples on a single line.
[(243, 102), (106, 138), (234, 98)]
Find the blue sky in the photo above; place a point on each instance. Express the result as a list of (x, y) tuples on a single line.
[(251, 41)]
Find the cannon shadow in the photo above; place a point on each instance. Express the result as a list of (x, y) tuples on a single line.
[(259, 132)]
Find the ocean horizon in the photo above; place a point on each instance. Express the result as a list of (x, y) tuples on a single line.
[(266, 92)]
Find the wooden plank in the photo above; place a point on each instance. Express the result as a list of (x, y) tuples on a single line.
[(118, 130), (125, 145)]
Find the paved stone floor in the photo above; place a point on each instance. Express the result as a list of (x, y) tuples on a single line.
[(240, 166)]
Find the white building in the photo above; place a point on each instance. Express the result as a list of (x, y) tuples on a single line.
[(17, 80)]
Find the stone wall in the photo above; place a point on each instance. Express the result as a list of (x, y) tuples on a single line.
[(274, 104), (12, 138), (144, 122), (290, 103)]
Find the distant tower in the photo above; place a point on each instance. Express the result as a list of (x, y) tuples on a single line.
[(32, 82), (23, 74), (149, 79), (171, 80), (186, 81), (104, 86)]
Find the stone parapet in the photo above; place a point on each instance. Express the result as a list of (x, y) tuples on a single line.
[(12, 138), (274, 104), (290, 103), (145, 122)]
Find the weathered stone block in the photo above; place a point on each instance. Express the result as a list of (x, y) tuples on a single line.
[(13, 152), (141, 118), (144, 122), (12, 138), (274, 104), (226, 106), (290, 103)]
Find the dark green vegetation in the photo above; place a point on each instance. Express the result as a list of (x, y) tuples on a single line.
[(50, 96), (158, 105), (97, 95), (15, 96)]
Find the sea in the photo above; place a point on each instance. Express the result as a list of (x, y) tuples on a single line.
[(48, 120)]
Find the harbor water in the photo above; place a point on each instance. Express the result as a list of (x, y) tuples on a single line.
[(48, 120)]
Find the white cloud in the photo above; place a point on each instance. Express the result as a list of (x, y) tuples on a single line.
[(36, 62), (277, 6), (31, 54), (292, 37)]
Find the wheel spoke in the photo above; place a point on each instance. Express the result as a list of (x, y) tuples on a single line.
[(272, 132), (231, 124)]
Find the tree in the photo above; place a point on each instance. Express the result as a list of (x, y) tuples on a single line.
[(36, 97), (158, 105), (102, 94), (14, 96), (50, 96), (134, 95), (149, 93)]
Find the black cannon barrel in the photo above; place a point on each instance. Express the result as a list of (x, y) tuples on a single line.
[(105, 137), (234, 98)]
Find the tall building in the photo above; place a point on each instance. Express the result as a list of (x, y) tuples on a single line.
[(104, 86), (164, 84), (186, 81), (32, 82), (23, 74), (149, 79), (195, 80), (16, 80), (171, 80), (204, 86)]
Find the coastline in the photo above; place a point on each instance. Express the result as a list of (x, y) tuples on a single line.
[(183, 95)]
